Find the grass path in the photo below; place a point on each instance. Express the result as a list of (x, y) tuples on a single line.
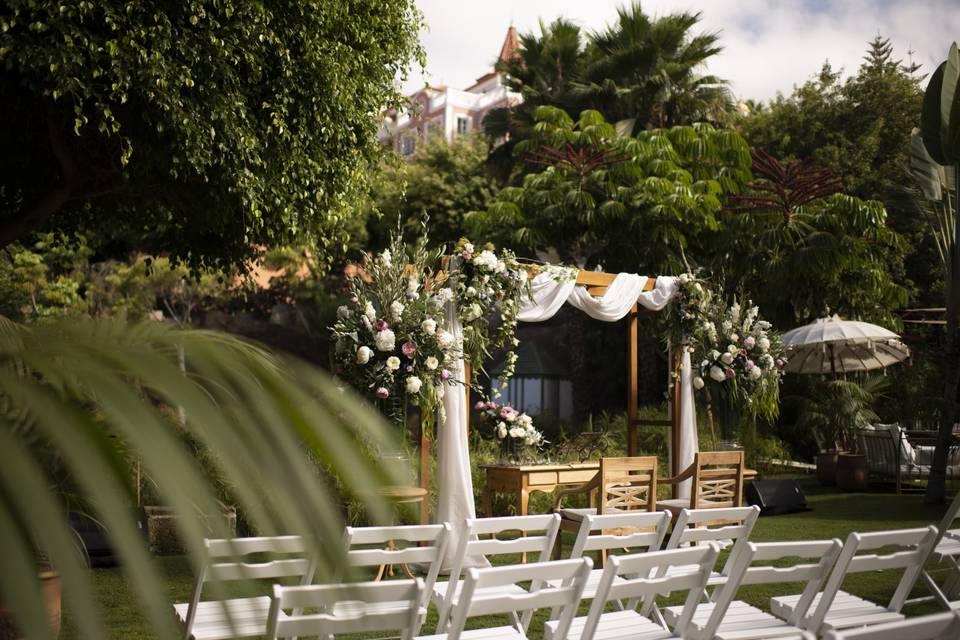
[(833, 514)]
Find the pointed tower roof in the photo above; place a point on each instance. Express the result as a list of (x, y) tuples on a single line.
[(511, 45)]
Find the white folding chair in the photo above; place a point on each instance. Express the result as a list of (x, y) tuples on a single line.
[(731, 526), (620, 533), (537, 535), (729, 619), (639, 578), (497, 590), (946, 550), (223, 562), (939, 626), (345, 608), (837, 609), (423, 545)]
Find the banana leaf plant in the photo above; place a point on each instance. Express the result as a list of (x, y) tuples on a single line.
[(935, 162), (281, 433)]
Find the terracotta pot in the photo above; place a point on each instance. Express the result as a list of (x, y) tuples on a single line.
[(51, 585), (852, 470), (827, 468)]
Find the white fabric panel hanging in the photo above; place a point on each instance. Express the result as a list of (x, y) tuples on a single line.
[(455, 495), (689, 444), (548, 295), (616, 301)]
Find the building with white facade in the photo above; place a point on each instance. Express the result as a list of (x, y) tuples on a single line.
[(447, 112)]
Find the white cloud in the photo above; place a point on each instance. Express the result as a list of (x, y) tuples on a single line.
[(769, 45)]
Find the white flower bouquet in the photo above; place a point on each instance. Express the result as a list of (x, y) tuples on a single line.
[(513, 429)]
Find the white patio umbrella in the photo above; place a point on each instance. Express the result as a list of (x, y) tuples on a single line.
[(831, 345)]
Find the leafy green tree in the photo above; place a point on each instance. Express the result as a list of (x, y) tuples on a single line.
[(442, 180), (797, 245), (202, 130), (860, 129), (594, 197)]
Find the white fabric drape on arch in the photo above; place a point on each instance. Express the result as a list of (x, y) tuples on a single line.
[(549, 293)]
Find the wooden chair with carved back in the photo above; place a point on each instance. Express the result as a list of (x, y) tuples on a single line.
[(622, 485), (716, 482)]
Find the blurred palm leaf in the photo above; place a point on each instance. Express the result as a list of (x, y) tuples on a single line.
[(94, 391)]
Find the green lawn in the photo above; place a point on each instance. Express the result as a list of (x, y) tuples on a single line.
[(833, 514)]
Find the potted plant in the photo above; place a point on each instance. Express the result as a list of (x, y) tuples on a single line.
[(834, 410)]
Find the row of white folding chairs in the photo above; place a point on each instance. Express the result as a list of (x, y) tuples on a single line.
[(637, 531)]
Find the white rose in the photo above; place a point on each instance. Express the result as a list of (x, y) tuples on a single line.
[(717, 374), (370, 312), (444, 339), (766, 361), (698, 383), (396, 310), (429, 326), (733, 348), (714, 354), (431, 362), (364, 354), (525, 421), (393, 363), (734, 338), (727, 358), (343, 312), (471, 291), (684, 278), (764, 344), (755, 373), (413, 384), (468, 247), (502, 430), (749, 342), (516, 432), (385, 340)]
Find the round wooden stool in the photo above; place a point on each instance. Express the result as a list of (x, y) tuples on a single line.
[(397, 495)]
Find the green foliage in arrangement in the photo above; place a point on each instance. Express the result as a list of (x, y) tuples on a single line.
[(203, 130), (95, 392), (591, 195)]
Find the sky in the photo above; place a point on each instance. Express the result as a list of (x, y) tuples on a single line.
[(769, 46)]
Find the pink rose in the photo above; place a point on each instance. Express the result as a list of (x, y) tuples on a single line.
[(383, 393), (445, 375), (731, 374), (480, 406), (408, 349), (381, 325)]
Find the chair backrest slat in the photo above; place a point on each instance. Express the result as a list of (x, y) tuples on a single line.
[(814, 560), (717, 479), (619, 531), (643, 576), (912, 547), (731, 525), (344, 609), (571, 575)]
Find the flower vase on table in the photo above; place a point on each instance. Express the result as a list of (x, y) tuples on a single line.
[(512, 429)]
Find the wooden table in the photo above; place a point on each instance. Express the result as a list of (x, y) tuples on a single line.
[(522, 480)]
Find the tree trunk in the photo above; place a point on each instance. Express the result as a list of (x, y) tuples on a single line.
[(936, 486)]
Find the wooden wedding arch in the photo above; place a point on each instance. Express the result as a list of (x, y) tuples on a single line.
[(597, 283)]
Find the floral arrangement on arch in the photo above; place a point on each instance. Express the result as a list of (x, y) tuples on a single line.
[(484, 280), (513, 429), (392, 343), (737, 357)]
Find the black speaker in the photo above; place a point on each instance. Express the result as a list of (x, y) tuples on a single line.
[(776, 496)]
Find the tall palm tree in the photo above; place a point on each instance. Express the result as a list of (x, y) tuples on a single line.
[(543, 72), (649, 70), (95, 393)]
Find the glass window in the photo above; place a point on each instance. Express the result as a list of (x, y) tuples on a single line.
[(463, 125)]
